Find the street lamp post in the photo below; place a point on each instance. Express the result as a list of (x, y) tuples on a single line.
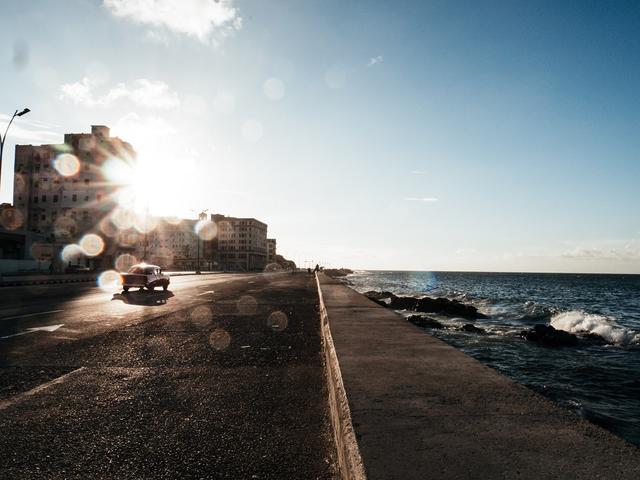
[(3, 138), (201, 216)]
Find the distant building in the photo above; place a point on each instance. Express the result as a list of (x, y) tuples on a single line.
[(61, 192), (240, 244), (271, 250), (173, 244)]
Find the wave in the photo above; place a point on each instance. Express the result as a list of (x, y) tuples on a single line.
[(578, 321)]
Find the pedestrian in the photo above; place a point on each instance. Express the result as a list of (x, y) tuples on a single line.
[(317, 269)]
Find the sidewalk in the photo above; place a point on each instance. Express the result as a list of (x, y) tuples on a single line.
[(422, 409)]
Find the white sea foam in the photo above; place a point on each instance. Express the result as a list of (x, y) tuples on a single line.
[(577, 321)]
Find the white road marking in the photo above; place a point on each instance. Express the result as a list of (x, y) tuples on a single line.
[(207, 292), (48, 328), (30, 315), (18, 398)]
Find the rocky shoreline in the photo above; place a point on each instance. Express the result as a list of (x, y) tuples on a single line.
[(542, 334)]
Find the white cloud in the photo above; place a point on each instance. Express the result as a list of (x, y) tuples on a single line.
[(375, 60), (28, 131), (626, 251), (421, 199), (197, 18), (147, 93)]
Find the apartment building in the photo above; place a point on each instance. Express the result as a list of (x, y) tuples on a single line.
[(173, 243), (62, 193), (240, 244)]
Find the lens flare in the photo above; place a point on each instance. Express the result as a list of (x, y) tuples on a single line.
[(122, 218), (41, 251), (220, 339), (206, 229), (92, 244), (278, 321), (108, 228), (66, 164), (247, 305), (201, 315), (144, 223), (65, 228), (274, 89), (125, 261), (11, 218), (71, 252), (252, 131), (109, 280)]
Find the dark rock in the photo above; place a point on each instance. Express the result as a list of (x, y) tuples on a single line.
[(403, 303), (471, 328), (447, 307), (549, 336), (424, 322), (372, 294)]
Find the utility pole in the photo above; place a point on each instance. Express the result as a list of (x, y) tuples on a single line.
[(3, 138)]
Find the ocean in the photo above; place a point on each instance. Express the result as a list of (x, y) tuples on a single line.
[(598, 380)]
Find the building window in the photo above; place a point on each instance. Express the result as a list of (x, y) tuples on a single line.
[(86, 181), (55, 198), (86, 198), (44, 198), (35, 199), (98, 197), (74, 197), (42, 217)]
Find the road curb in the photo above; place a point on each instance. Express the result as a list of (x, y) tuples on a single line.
[(349, 460)]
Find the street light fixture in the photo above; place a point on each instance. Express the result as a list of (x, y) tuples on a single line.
[(3, 138)]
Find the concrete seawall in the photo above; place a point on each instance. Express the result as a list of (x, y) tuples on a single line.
[(420, 408)]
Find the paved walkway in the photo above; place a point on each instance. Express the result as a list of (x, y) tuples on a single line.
[(422, 409)]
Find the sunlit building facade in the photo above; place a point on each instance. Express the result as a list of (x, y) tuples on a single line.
[(173, 244), (61, 193)]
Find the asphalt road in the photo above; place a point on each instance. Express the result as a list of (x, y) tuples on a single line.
[(221, 377)]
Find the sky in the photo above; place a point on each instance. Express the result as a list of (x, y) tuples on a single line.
[(426, 135)]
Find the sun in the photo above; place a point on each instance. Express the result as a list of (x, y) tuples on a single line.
[(152, 183)]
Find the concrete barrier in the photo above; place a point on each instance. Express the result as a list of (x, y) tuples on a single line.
[(349, 460)]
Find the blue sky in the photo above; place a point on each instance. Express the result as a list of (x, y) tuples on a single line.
[(390, 135)]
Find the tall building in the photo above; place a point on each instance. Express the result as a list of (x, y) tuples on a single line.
[(271, 250), (61, 191), (240, 244)]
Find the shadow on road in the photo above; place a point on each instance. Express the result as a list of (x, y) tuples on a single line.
[(142, 297)]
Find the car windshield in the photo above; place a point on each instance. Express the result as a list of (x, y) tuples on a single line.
[(149, 270), (136, 269)]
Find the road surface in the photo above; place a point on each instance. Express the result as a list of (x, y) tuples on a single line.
[(221, 377)]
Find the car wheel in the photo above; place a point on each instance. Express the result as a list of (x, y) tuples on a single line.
[(151, 287), (165, 286)]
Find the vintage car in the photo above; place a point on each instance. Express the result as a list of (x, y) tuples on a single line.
[(145, 276)]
